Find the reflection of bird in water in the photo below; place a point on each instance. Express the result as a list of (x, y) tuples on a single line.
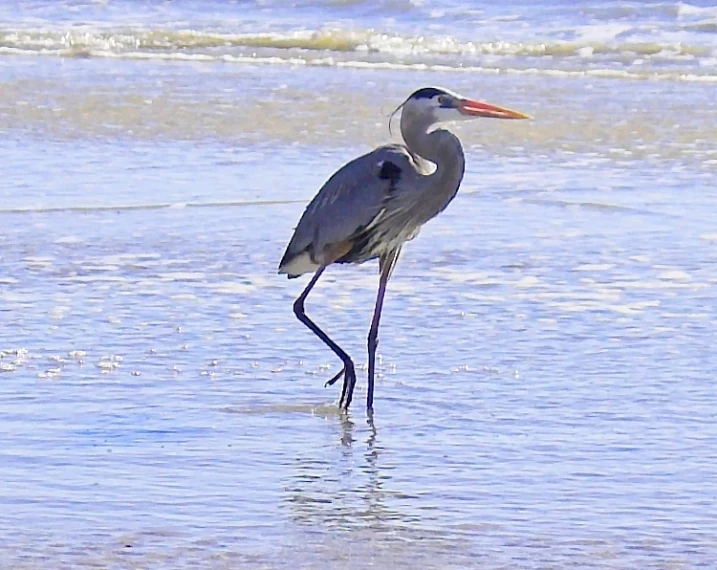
[(346, 504), (347, 437), (346, 494), (375, 203)]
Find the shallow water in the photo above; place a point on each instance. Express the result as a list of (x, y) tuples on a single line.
[(545, 394)]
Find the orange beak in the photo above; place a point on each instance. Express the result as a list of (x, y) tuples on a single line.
[(481, 109)]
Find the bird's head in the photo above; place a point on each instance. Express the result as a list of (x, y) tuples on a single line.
[(439, 105)]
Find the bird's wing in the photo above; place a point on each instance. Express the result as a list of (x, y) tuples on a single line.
[(347, 203)]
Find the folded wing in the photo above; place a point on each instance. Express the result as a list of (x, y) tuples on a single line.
[(336, 225)]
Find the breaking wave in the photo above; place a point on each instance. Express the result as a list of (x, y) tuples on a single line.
[(370, 48)]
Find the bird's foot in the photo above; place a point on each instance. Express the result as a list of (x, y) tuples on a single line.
[(347, 392), (349, 375), (335, 378), (347, 370)]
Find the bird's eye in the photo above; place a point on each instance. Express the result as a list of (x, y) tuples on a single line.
[(443, 100)]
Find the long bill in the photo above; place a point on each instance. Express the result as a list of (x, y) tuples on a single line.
[(482, 109)]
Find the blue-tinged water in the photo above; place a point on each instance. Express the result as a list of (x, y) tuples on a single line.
[(545, 395), (631, 40)]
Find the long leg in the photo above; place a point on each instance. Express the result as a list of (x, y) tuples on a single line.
[(348, 370), (386, 265)]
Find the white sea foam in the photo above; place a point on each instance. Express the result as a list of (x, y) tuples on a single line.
[(595, 51)]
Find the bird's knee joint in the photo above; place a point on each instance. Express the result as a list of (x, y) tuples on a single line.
[(298, 307)]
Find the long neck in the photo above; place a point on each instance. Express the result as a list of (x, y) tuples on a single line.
[(442, 148)]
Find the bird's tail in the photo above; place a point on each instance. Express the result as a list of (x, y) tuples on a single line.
[(294, 265)]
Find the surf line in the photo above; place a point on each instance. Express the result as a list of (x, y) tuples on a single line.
[(132, 207)]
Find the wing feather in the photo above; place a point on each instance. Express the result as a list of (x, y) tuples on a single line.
[(348, 203)]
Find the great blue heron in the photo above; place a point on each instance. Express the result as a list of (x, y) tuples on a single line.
[(376, 202)]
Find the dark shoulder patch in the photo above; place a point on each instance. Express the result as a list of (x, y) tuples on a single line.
[(389, 171), (427, 93)]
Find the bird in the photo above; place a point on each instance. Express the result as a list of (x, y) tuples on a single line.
[(375, 203)]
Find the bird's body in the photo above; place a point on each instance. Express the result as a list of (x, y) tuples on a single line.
[(371, 206), (342, 218)]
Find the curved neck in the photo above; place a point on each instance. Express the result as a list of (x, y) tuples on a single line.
[(441, 147)]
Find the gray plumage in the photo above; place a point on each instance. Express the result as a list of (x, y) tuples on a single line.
[(371, 206), (381, 199)]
